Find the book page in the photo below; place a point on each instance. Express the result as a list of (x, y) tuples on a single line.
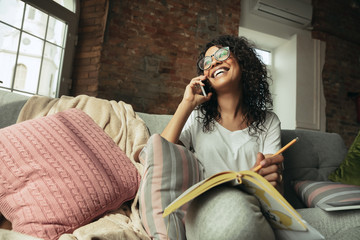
[(200, 188), (275, 208), (311, 234)]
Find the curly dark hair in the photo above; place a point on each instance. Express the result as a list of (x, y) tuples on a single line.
[(256, 97)]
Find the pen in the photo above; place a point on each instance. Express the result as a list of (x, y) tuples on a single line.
[(258, 167)]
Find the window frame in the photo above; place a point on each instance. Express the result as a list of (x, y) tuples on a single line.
[(72, 20)]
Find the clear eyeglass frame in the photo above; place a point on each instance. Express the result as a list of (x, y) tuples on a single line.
[(220, 55)]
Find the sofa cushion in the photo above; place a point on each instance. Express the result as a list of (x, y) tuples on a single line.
[(11, 104), (334, 225), (348, 171), (61, 172), (155, 122), (170, 169), (313, 157), (314, 192)]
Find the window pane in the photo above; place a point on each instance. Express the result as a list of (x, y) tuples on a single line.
[(56, 31), (50, 70), (265, 56), (9, 40), (35, 21), (30, 56), (11, 12), (69, 4), (21, 74)]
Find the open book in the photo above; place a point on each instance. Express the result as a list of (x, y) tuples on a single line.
[(280, 214), (275, 208)]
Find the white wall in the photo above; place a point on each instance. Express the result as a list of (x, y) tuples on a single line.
[(296, 70), (284, 83), (310, 101)]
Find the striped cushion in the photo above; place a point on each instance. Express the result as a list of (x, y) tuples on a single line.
[(61, 172), (313, 192), (170, 169)]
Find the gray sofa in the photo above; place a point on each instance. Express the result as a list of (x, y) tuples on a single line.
[(313, 157)]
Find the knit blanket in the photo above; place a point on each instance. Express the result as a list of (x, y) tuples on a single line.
[(128, 131)]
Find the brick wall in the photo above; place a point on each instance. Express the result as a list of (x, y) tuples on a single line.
[(92, 24), (144, 52), (336, 23), (151, 47)]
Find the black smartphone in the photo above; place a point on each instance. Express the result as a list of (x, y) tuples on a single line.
[(205, 89)]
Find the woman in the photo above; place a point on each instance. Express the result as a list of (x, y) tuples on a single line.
[(231, 128)]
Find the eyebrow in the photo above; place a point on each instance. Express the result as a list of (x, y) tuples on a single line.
[(214, 52)]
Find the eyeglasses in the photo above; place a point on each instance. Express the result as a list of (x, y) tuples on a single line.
[(220, 55)]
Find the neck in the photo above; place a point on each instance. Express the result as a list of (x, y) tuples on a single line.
[(229, 104), (232, 117)]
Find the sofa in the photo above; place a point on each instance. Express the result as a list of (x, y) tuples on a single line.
[(312, 158)]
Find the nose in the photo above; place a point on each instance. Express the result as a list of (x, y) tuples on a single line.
[(214, 62)]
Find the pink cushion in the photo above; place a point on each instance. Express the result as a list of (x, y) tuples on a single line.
[(61, 172)]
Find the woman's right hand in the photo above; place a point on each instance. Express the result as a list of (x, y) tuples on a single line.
[(193, 93), (192, 97)]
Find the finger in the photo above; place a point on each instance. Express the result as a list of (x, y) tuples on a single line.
[(273, 177), (198, 79), (268, 170), (207, 97), (201, 98), (195, 84), (274, 183), (272, 160)]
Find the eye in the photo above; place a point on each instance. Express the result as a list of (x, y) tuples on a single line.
[(223, 54), (207, 62)]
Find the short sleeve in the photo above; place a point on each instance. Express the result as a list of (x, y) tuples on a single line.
[(272, 139), (186, 134)]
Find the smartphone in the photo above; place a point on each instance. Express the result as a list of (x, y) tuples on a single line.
[(205, 89)]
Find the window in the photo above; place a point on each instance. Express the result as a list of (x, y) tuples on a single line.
[(265, 56), (37, 41)]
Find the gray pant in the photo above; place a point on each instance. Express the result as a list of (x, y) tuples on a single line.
[(226, 213)]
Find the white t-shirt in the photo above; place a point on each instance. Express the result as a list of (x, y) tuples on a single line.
[(223, 150)]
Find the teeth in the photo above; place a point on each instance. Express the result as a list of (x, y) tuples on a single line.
[(218, 72)]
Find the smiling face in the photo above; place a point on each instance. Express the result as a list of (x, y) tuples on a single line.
[(223, 75)]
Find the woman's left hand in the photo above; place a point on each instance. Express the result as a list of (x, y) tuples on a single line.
[(271, 170)]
